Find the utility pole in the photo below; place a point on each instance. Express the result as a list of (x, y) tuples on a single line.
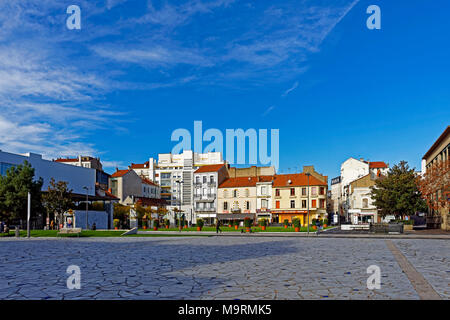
[(307, 175), (29, 214), (87, 209)]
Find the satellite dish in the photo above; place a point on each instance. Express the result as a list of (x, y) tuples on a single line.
[(289, 181)]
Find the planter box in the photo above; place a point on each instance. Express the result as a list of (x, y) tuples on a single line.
[(386, 227), (408, 227)]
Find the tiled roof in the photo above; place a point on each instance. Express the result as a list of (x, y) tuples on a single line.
[(139, 165), (149, 182), (240, 182), (210, 168), (377, 164), (119, 173), (298, 179)]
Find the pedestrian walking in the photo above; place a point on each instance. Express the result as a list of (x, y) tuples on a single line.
[(218, 226)]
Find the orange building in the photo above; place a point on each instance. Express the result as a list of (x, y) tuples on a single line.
[(290, 196)]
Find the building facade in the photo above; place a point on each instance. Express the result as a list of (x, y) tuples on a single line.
[(439, 153), (206, 182), (361, 207), (351, 170), (77, 178), (102, 178), (290, 195), (174, 173)]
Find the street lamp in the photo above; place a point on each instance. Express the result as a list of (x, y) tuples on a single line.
[(307, 175), (179, 182), (87, 200)]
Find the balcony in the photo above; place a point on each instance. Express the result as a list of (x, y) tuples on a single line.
[(205, 209), (208, 197)]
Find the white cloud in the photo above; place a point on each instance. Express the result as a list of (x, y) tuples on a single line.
[(294, 86)]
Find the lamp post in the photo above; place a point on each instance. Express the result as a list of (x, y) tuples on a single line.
[(87, 200), (179, 182), (307, 175)]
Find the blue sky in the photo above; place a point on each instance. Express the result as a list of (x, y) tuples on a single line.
[(138, 70)]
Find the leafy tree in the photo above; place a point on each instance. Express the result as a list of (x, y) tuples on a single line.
[(435, 185), (14, 188), (398, 193), (121, 212), (57, 199)]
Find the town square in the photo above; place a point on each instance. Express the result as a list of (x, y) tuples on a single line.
[(221, 268), (248, 157)]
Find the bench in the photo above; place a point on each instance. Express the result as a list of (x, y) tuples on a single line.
[(76, 231)]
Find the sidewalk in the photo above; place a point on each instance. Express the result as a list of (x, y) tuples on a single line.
[(304, 234)]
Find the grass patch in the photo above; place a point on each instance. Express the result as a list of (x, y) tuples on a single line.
[(232, 229)]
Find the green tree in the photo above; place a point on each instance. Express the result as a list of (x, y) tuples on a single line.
[(398, 193), (121, 212), (14, 188), (57, 199)]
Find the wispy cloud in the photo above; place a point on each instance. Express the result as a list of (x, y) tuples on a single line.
[(294, 86), (268, 110)]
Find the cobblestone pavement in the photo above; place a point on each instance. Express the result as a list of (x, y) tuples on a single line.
[(217, 268)]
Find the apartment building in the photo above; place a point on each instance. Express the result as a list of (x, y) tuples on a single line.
[(361, 207), (290, 195), (206, 182), (351, 170), (174, 174), (246, 193)]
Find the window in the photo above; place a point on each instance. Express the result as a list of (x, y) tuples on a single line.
[(235, 193), (264, 203), (225, 205), (303, 191), (197, 179), (211, 179), (263, 190), (225, 193), (314, 204), (314, 191), (165, 175), (303, 203), (247, 205), (204, 179), (322, 203), (292, 204), (277, 204), (292, 191), (322, 190), (365, 203), (247, 193), (277, 192)]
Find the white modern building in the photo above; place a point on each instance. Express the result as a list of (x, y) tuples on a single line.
[(206, 182), (174, 173), (353, 169), (77, 178)]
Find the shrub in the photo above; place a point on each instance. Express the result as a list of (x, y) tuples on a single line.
[(313, 221), (296, 222), (167, 222), (263, 222), (286, 222), (116, 223), (325, 221), (200, 223), (155, 223), (236, 222), (247, 222)]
